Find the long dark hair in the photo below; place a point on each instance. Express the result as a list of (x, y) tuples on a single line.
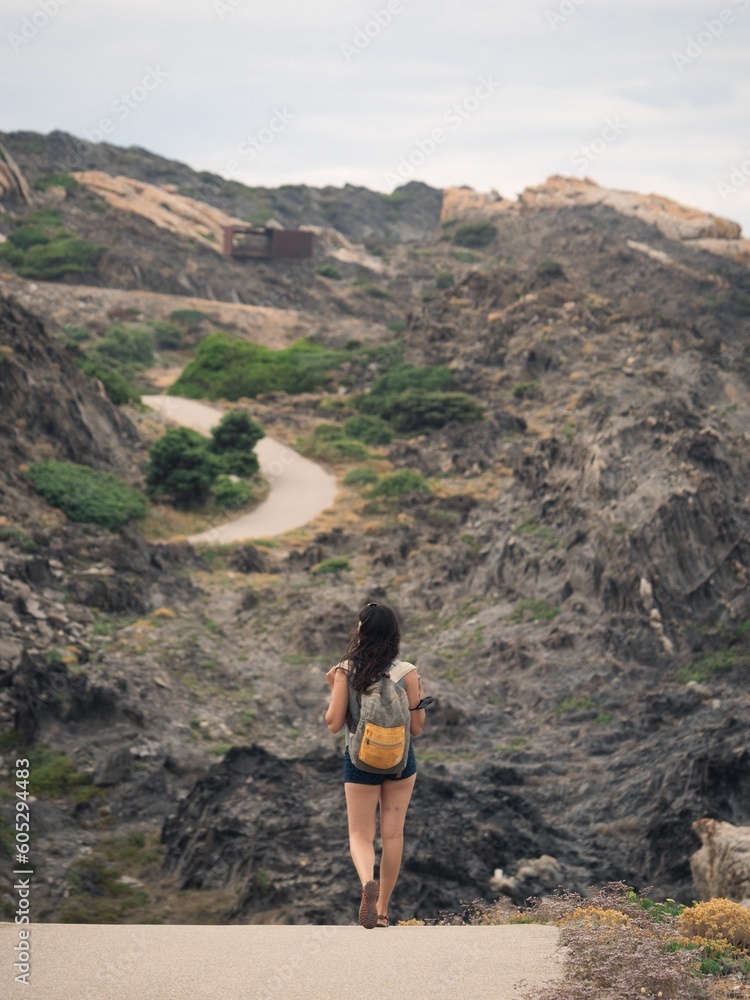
[(373, 645)]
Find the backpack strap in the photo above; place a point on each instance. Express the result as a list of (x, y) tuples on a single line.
[(401, 668)]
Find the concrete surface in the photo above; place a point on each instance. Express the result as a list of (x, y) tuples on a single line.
[(300, 489), (261, 962)]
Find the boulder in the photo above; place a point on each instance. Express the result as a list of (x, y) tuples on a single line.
[(721, 867)]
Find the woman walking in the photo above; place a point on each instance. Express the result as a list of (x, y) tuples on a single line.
[(372, 650)]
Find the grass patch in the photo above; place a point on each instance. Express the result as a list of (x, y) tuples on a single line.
[(42, 248), (516, 745), (96, 896), (576, 703), (55, 180), (707, 665), (329, 271), (465, 256), (87, 495), (569, 431), (52, 774), (536, 529), (361, 477), (530, 609), (334, 564), (18, 537), (399, 484)]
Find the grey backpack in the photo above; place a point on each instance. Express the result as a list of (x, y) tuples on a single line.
[(380, 743)]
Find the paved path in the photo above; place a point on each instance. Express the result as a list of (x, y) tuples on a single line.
[(300, 489), (261, 962)]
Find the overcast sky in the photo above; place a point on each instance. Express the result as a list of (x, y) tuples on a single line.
[(647, 95)]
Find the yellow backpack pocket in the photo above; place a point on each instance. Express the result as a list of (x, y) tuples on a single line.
[(382, 747)]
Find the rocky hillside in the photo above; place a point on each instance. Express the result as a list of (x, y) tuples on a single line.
[(573, 585)]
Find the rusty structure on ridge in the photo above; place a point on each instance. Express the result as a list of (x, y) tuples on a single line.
[(267, 243)]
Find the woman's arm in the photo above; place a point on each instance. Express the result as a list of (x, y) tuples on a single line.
[(337, 707), (415, 691)]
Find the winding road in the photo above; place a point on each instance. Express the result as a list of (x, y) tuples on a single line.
[(300, 489)]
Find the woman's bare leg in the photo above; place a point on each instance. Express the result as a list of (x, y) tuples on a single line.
[(394, 801), (361, 803)]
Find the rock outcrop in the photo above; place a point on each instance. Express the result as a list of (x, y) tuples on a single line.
[(165, 208), (722, 865), (50, 409), (13, 184), (676, 221), (275, 830)]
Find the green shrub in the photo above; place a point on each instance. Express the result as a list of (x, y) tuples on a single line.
[(181, 466), (408, 376), (51, 217), (27, 237), (131, 343), (231, 494), (53, 774), (397, 326), (375, 291), (116, 385), (399, 484), (228, 367), (96, 895), (444, 280), (84, 494), (76, 333), (236, 431), (363, 476), (66, 254), (332, 449), (56, 180), (420, 409), (368, 428), (475, 235), (524, 390), (334, 564), (190, 317), (329, 271), (238, 463), (328, 432), (168, 336), (550, 269), (348, 448)]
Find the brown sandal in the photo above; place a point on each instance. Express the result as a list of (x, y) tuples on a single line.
[(368, 910), (382, 920)]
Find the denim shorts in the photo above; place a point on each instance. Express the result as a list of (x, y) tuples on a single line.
[(360, 777)]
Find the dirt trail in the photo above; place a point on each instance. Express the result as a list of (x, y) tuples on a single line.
[(300, 489), (172, 962)]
